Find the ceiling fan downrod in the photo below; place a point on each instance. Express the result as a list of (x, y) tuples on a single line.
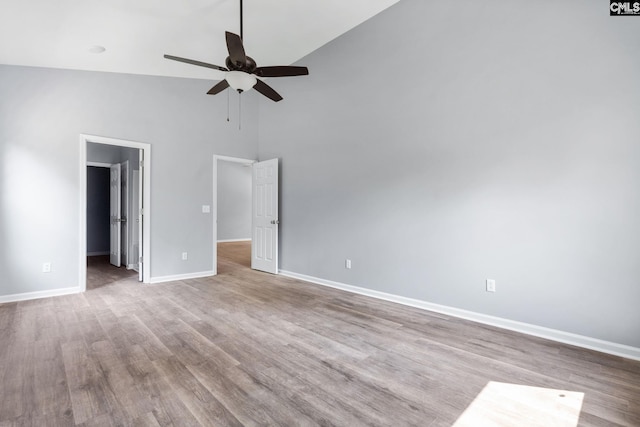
[(241, 25)]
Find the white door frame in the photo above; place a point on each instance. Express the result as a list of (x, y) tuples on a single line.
[(136, 231), (214, 211), (146, 224)]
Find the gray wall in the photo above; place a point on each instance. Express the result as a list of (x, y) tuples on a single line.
[(112, 154), (102, 153), (438, 146), (234, 201), (42, 113), (98, 213)]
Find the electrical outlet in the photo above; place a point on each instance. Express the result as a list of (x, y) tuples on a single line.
[(46, 267), (184, 256), (347, 263), (491, 285)]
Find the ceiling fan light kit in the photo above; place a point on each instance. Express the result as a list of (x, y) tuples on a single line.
[(241, 71), (240, 80)]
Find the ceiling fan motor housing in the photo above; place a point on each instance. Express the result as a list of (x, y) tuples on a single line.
[(248, 67)]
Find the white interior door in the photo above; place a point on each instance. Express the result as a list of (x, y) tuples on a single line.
[(115, 210), (139, 212), (124, 209), (264, 245), (135, 221)]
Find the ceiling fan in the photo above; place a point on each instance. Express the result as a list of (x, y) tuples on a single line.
[(242, 72)]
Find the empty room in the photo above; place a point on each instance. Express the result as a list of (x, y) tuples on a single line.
[(384, 212)]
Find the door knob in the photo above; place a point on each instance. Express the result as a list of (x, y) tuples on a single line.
[(275, 221)]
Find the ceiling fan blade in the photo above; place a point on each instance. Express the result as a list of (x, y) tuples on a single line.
[(281, 71), (192, 62), (218, 88), (236, 49), (267, 91)]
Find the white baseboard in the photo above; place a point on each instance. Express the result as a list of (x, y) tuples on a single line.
[(39, 294), (97, 253), (173, 278), (525, 328), (234, 240)]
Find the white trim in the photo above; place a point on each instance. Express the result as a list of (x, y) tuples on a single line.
[(186, 276), (235, 159), (82, 244), (214, 209), (512, 325), (233, 240), (39, 294), (99, 165)]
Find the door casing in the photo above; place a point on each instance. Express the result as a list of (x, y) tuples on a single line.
[(82, 214)]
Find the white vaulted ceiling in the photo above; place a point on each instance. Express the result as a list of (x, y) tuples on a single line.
[(137, 33)]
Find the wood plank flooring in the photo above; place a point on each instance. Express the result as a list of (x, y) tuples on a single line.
[(100, 272), (246, 348)]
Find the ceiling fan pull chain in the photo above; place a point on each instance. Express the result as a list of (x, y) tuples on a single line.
[(239, 110), (228, 104)]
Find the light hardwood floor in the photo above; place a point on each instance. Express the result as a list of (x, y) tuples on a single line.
[(247, 348), (100, 272)]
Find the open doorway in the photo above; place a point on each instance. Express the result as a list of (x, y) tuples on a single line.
[(112, 239), (265, 184), (233, 256), (128, 221), (232, 201)]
